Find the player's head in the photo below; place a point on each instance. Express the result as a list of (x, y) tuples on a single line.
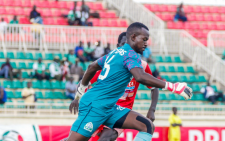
[(71, 79), (137, 36), (29, 84), (174, 110), (122, 39), (39, 60)]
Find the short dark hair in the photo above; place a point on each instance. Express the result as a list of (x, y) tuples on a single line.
[(133, 26), (121, 36)]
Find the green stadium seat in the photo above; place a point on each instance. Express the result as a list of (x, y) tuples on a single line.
[(48, 56), (65, 55), (201, 78), (192, 78), (144, 96), (10, 55), (137, 96), (10, 94), (168, 59), (36, 84), (152, 67), (39, 94), (25, 75), (171, 96), (162, 96), (21, 106), (178, 97), (24, 84), (38, 55), (158, 58), (177, 59), (215, 88), (22, 65), (87, 64), (142, 87), (59, 55), (162, 69), (47, 66), (29, 55), (195, 88), (183, 78), (63, 85), (16, 84), (171, 69), (198, 97), (190, 69), (2, 55), (59, 95), (7, 84), (20, 55), (40, 106), (174, 78), (45, 84), (18, 94), (82, 65), (13, 64), (180, 69), (166, 77), (30, 65), (49, 95), (55, 85)]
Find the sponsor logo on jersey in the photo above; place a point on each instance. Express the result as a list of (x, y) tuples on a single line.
[(89, 126), (120, 51), (131, 85), (120, 108)]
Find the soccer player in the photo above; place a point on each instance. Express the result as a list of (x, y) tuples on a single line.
[(126, 101), (98, 105)]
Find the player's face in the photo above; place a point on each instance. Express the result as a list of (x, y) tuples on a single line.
[(141, 41), (123, 41)]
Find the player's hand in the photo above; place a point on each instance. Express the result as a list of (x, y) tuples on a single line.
[(180, 88), (74, 106), (151, 115), (80, 91)]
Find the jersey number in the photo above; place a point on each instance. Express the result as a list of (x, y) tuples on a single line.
[(107, 67)]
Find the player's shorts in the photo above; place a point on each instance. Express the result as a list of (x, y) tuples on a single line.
[(90, 118)]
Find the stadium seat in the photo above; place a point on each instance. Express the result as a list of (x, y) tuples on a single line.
[(18, 94), (183, 78), (195, 88), (59, 95), (30, 65), (45, 84), (158, 58), (48, 56), (162, 97), (40, 106), (174, 78), (36, 84), (180, 69), (7, 84), (190, 69), (63, 85), (198, 97), (39, 94), (25, 75), (192, 78), (152, 67), (22, 65), (177, 59), (55, 85), (38, 55), (162, 69), (166, 77), (215, 88), (13, 64), (171, 96), (16, 84), (168, 59), (10, 55), (59, 55), (29, 55), (171, 69), (49, 95), (20, 55), (202, 78), (10, 94), (2, 55)]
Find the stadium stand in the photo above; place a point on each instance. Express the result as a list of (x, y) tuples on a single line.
[(52, 12)]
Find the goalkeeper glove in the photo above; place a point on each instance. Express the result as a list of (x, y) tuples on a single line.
[(81, 89)]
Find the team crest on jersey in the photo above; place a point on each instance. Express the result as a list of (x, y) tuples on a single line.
[(89, 126), (120, 108)]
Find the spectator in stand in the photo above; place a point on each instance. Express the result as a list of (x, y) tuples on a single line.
[(76, 71), (180, 15), (210, 94), (107, 49), (55, 70), (79, 52), (88, 51), (146, 56), (39, 70), (3, 95), (71, 88), (71, 57), (3, 26), (85, 7), (84, 15), (14, 20), (64, 68), (7, 69), (175, 124), (71, 16), (28, 94), (99, 51), (34, 13)]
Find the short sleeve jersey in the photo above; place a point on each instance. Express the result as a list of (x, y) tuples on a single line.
[(113, 79)]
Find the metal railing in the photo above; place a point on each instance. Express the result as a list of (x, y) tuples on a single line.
[(57, 110), (60, 38), (216, 41)]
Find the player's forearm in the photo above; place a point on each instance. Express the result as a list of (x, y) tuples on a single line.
[(154, 97), (89, 74)]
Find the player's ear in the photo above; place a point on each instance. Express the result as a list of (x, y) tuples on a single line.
[(133, 36)]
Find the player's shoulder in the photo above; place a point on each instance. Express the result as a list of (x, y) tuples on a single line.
[(144, 64)]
